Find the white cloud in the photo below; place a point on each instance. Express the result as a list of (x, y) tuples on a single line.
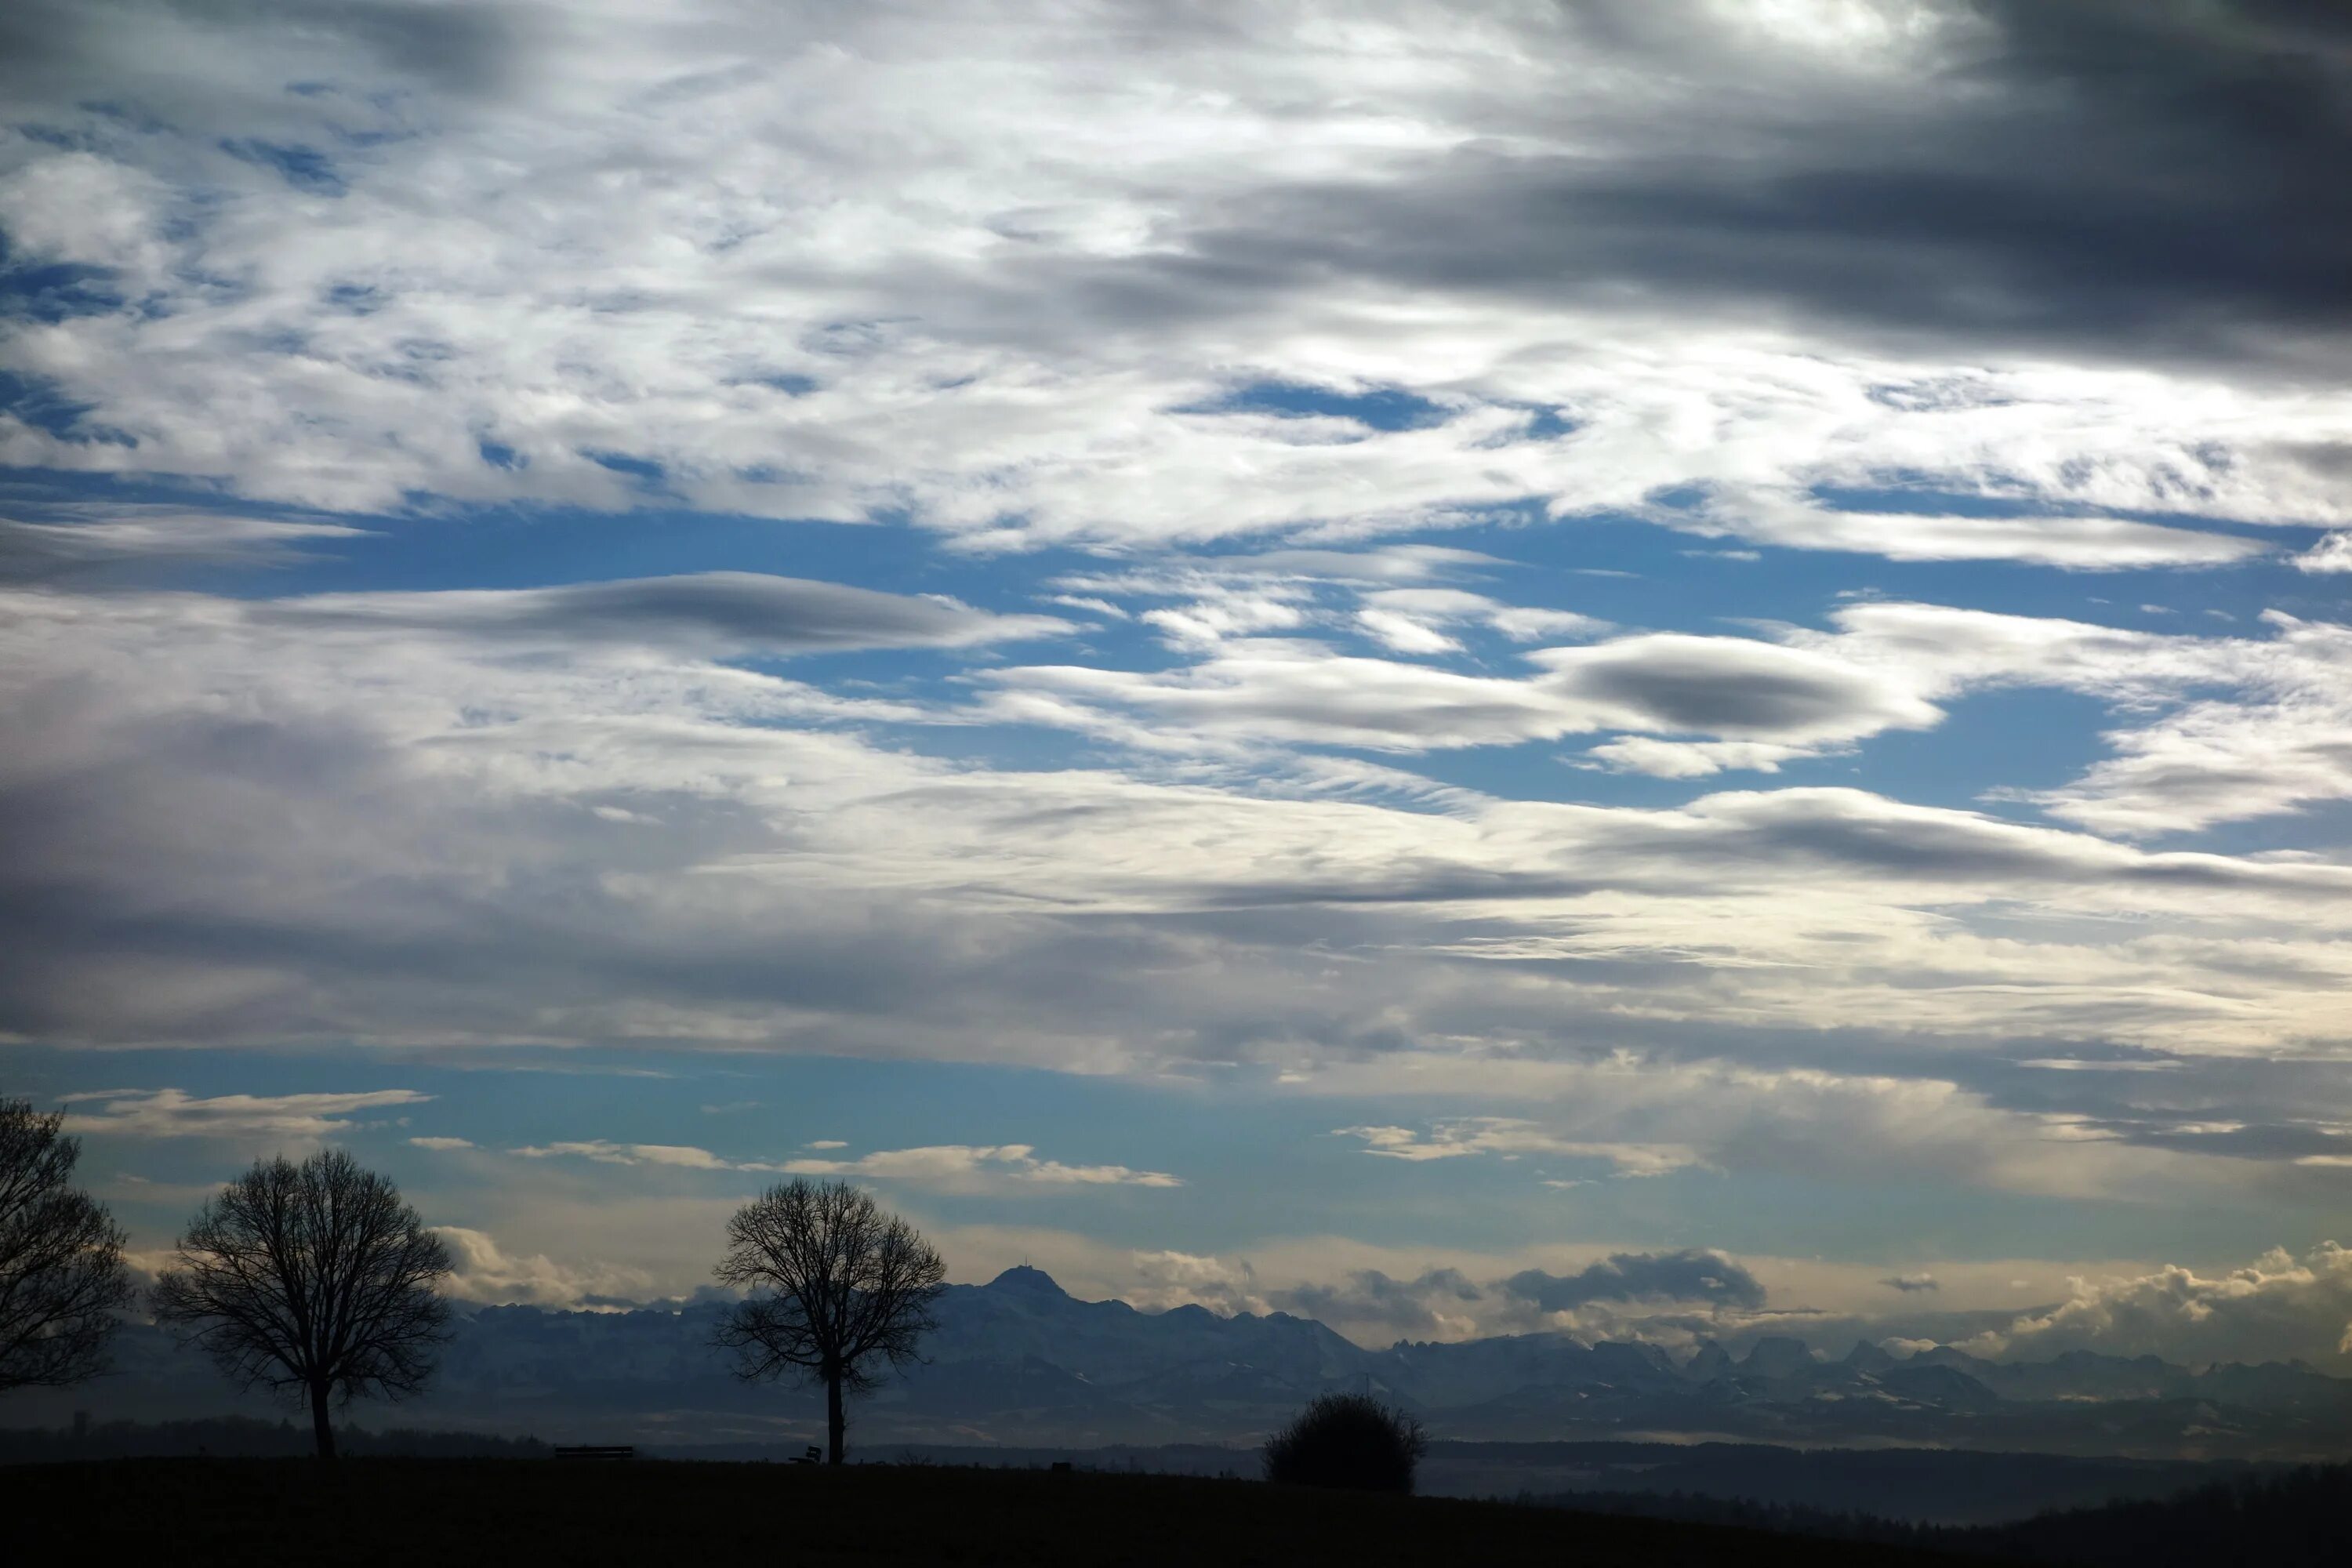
[(1157, 1281), (949, 1167), (1694, 759), (2283, 743), (2279, 1307), (1092, 606), (1683, 706), (2083, 543), (683, 1156), (175, 1113), (1407, 620), (962, 1166), (487, 1273), (1404, 634), (1511, 1137), (1654, 1118), (1226, 613), (1294, 692), (2333, 553), (442, 1145)]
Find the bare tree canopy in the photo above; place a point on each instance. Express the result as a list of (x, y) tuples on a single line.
[(61, 1273), (840, 1290), (311, 1280)]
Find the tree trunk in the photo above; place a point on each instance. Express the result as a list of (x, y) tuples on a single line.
[(322, 1426), (833, 1421)]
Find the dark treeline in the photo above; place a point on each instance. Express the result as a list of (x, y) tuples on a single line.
[(2302, 1517), (2281, 1521), (1782, 1519), (244, 1438)]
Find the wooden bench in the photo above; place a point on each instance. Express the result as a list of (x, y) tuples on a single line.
[(815, 1455), (592, 1452)]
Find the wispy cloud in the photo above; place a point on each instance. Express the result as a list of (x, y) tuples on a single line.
[(950, 1165), (175, 1113), (682, 1156), (945, 1166), (1510, 1138)]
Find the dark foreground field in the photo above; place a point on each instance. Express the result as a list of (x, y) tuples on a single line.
[(177, 1511)]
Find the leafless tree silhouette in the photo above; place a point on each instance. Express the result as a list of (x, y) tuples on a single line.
[(840, 1290), (311, 1280), (61, 1273)]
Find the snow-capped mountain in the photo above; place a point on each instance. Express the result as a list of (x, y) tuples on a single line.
[(1019, 1361)]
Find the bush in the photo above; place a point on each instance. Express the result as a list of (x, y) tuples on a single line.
[(1349, 1440)]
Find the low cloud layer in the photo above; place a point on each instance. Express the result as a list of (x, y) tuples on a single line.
[(483, 1272), (289, 1119), (941, 1167), (1706, 1278), (1411, 1308), (951, 1167), (2280, 1306), (1511, 1137)]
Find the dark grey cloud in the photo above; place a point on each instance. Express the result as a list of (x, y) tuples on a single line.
[(745, 610), (1369, 1299), (2115, 169), (1690, 1274), (61, 50), (1741, 688), (2126, 177), (1856, 831)]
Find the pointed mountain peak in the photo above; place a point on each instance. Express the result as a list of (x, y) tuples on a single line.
[(1868, 1357), (1028, 1281), (1708, 1360), (1777, 1355)]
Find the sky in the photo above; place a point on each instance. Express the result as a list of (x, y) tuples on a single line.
[(1638, 667)]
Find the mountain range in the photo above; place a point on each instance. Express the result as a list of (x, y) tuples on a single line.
[(1020, 1362)]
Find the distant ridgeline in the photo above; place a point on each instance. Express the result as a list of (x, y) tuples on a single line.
[(1019, 1361), (244, 1438)]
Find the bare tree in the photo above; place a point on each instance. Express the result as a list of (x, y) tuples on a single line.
[(61, 1273), (311, 1280), (839, 1289)]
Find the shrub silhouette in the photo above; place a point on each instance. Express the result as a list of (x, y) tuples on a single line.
[(1346, 1440)]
